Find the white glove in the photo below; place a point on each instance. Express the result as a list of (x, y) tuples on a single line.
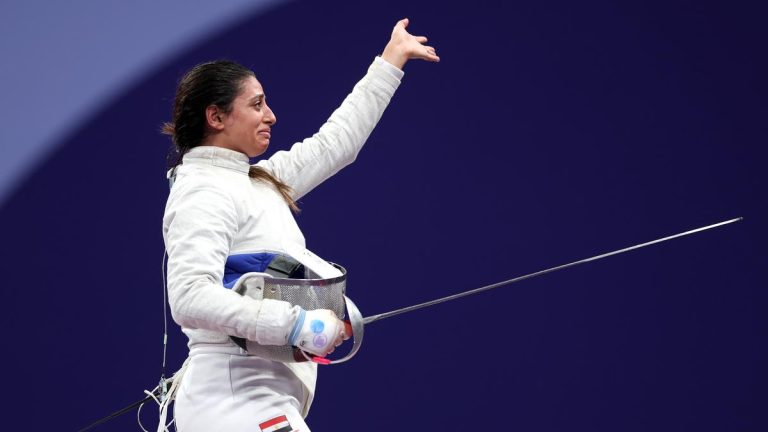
[(317, 332)]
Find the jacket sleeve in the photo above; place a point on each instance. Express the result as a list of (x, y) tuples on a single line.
[(199, 226), (339, 140)]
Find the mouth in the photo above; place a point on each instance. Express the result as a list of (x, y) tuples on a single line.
[(265, 133)]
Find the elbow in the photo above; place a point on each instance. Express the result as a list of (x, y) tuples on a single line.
[(178, 308), (182, 319), (182, 301)]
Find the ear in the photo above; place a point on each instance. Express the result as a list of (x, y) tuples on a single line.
[(214, 117)]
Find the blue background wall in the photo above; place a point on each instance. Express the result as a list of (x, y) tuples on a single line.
[(550, 131)]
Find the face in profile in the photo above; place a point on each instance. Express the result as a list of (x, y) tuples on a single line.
[(247, 128)]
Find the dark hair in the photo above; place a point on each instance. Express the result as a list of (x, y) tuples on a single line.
[(214, 83)]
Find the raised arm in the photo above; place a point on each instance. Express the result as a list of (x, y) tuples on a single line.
[(339, 140)]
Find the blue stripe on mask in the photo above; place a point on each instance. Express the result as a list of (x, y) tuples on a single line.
[(240, 264)]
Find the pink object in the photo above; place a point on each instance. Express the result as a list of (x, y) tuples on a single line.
[(321, 360)]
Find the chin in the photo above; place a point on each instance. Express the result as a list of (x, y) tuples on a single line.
[(258, 151)]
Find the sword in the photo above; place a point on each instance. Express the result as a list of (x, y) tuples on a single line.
[(379, 317)]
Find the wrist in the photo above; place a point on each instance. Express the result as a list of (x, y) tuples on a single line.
[(297, 326), (392, 57)]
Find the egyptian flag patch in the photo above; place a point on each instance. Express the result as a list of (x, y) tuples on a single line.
[(277, 424)]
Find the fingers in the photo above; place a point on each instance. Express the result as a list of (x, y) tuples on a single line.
[(430, 54), (344, 334), (403, 46), (339, 340), (347, 330)]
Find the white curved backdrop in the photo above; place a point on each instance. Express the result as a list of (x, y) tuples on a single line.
[(65, 60)]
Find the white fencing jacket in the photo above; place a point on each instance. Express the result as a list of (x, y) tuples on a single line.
[(215, 210)]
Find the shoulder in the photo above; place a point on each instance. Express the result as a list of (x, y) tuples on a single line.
[(202, 190), (190, 183)]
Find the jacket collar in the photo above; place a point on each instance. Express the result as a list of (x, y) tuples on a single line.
[(218, 156)]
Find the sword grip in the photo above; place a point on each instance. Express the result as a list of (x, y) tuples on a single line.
[(355, 321)]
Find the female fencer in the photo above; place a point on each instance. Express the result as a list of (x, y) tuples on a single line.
[(220, 207)]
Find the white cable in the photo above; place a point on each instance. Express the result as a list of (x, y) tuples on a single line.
[(150, 394), (165, 314), (165, 400), (138, 418), (162, 405), (165, 394), (170, 397)]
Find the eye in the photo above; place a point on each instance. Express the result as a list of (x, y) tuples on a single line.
[(258, 104)]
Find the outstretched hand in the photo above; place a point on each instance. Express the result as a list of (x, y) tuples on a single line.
[(403, 46)]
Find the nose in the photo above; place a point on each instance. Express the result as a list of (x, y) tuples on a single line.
[(269, 116)]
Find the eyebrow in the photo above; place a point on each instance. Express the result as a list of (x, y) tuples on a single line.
[(257, 97)]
